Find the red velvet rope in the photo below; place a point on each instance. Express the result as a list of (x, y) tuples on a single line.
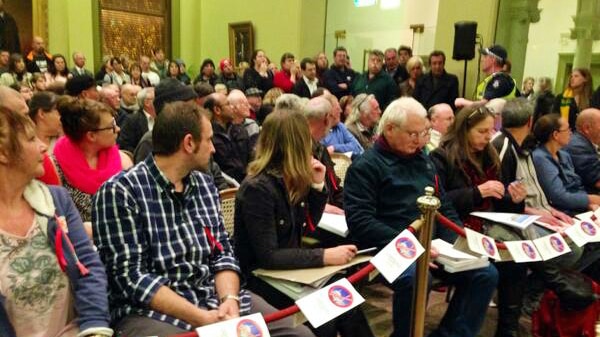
[(281, 314)]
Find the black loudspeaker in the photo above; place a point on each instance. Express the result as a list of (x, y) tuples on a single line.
[(464, 40)]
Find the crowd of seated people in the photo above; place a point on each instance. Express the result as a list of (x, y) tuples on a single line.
[(135, 156)]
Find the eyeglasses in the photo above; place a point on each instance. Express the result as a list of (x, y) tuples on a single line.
[(418, 135), (564, 130), (113, 127)]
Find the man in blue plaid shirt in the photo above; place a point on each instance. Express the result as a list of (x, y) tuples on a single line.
[(160, 234)]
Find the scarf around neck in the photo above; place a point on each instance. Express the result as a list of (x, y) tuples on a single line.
[(78, 172)]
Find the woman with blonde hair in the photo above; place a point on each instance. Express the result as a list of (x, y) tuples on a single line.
[(283, 197), (415, 68)]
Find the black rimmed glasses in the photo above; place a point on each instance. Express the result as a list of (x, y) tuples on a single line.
[(113, 127)]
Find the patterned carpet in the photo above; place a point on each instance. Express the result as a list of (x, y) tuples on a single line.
[(378, 309)]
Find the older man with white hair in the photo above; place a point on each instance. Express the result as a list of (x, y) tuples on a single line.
[(381, 189), (363, 119), (138, 123), (441, 117)]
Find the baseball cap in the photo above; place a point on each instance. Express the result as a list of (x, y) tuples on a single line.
[(253, 92), (496, 51), (171, 90)]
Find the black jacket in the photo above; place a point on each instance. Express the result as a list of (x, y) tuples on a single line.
[(268, 229), (9, 34), (429, 93), (335, 192), (335, 76), (301, 89), (132, 131), (233, 149), (252, 79)]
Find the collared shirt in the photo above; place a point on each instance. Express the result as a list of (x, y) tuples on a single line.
[(149, 236), (312, 85), (150, 120)]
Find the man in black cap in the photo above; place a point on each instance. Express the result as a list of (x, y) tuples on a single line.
[(497, 83), (82, 86), (168, 90)]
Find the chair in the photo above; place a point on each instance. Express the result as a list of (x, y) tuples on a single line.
[(228, 208), (342, 162)]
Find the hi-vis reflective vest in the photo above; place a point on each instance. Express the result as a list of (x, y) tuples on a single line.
[(483, 85)]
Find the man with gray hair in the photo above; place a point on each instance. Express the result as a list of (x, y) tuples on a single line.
[(339, 139), (381, 187), (79, 65), (363, 119), (317, 112), (376, 81), (241, 112), (138, 123)]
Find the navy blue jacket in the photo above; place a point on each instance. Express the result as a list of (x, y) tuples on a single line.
[(380, 196), (585, 159)]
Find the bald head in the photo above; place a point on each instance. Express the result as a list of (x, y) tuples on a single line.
[(38, 45), (129, 93), (441, 117), (12, 100), (588, 124), (240, 105), (586, 117)]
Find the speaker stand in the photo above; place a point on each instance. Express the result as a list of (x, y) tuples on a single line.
[(464, 79)]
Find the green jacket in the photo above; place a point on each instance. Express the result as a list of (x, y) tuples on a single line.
[(382, 86)]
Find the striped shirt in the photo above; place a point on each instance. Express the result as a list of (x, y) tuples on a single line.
[(149, 236)]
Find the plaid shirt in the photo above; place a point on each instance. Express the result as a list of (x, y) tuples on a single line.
[(148, 236)]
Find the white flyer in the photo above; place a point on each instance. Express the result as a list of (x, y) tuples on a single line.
[(482, 244), (329, 302), (251, 325), (523, 251), (582, 232), (397, 255), (551, 246)]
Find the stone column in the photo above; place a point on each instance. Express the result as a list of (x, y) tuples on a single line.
[(512, 31), (586, 30)]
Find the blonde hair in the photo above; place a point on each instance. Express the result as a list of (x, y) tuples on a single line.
[(272, 95), (285, 147)]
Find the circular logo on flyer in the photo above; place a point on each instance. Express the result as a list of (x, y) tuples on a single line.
[(557, 244), (248, 328), (528, 250), (488, 246), (340, 296), (588, 228), (406, 248)]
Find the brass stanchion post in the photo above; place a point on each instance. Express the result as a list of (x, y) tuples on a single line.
[(428, 205)]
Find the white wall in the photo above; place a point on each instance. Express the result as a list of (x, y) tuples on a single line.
[(377, 28)]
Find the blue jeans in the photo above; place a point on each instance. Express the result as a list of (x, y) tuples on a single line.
[(466, 311)]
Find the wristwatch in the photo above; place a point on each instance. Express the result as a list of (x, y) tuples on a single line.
[(230, 297)]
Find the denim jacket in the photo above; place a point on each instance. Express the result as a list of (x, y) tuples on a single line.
[(88, 278)]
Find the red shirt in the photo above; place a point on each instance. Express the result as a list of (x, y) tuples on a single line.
[(282, 80)]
